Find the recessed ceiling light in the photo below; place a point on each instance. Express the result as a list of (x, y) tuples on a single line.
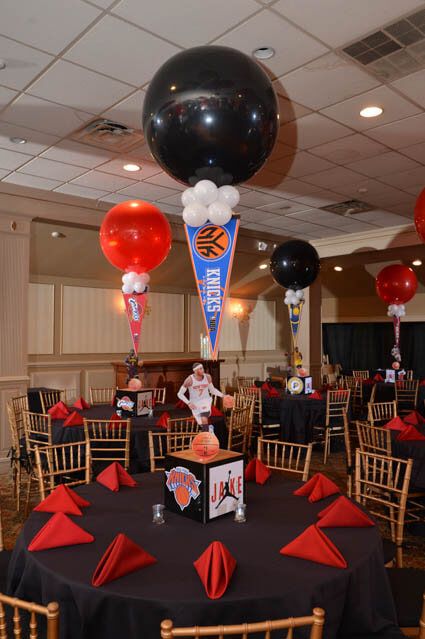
[(131, 167), (2, 64), (338, 268), (57, 235), (263, 53), (262, 266), (417, 262), (371, 112), (17, 140)]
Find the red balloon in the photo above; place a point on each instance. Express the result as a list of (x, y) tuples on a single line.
[(135, 236), (420, 215), (396, 284)]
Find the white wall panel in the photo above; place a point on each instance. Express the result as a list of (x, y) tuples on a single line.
[(41, 300), (94, 321), (58, 377)]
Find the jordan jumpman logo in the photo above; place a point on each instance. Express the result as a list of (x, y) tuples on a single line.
[(226, 491)]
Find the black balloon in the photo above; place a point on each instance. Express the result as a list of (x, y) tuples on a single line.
[(295, 264), (210, 113)]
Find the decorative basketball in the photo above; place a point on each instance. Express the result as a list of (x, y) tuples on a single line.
[(206, 445), (228, 401), (134, 384), (182, 496), (396, 365)]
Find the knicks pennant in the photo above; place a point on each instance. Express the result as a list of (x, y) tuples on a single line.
[(135, 304), (295, 319), (212, 249)]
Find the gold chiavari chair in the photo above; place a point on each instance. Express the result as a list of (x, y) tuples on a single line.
[(244, 382), (158, 394), (183, 425), (49, 398), (267, 431), (361, 374), (1, 531), (30, 612), (109, 441), (160, 444), (382, 486), (315, 622), (69, 395), (246, 399), (373, 439), (102, 395), (239, 429), (18, 459), (355, 386), (337, 402), (380, 413), (38, 432), (286, 456), (328, 374), (409, 374), (406, 395), (62, 464), (349, 460)]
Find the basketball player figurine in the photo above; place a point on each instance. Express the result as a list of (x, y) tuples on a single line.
[(200, 388), (226, 491)]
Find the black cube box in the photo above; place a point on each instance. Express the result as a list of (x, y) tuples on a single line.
[(133, 403), (299, 385), (204, 489)]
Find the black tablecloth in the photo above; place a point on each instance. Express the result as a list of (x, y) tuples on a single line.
[(386, 393), (265, 585), (296, 414), (140, 426), (414, 450), (34, 401)]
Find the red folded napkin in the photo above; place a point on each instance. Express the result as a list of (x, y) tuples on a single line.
[(395, 424), (216, 412), (314, 545), (414, 418), (74, 419), (62, 500), (378, 377), (273, 392), (114, 418), (81, 404), (342, 513), (315, 395), (410, 434), (58, 411), (115, 476), (113, 400), (257, 471), (422, 382), (180, 404), (318, 487), (215, 568), (367, 381), (120, 558), (59, 531), (266, 386), (162, 420)]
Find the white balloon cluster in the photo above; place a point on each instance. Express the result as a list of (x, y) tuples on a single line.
[(205, 201), (396, 310), (293, 297), (135, 282)]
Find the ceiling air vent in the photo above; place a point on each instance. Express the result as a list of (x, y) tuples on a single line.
[(395, 51), (109, 135), (351, 207)]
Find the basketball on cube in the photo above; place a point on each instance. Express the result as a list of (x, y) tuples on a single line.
[(134, 384), (205, 445), (228, 401)]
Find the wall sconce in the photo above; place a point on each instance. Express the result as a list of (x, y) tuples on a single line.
[(240, 312)]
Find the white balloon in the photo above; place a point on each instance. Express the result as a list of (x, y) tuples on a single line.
[(205, 192), (127, 288), (143, 278), (139, 287), (300, 294), (229, 194), (188, 197), (196, 214), (131, 277), (389, 314), (219, 213)]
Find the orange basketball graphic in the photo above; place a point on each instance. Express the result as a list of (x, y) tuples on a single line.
[(206, 445), (211, 242), (182, 496)]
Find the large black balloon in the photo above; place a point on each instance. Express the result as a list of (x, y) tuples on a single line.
[(295, 264), (210, 113)]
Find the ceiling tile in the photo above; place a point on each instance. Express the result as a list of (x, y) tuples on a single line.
[(52, 170), (44, 116), (72, 152), (301, 164), (135, 63), (171, 210), (401, 134), (102, 181), (81, 191), (46, 24), (336, 22), (22, 179), (11, 159), (348, 112), (381, 218), (404, 179), (6, 96), (415, 151), (128, 111), (116, 168), (256, 198), (315, 129), (325, 81), (288, 109), (172, 200), (362, 189), (114, 198), (36, 141), (346, 150), (333, 177), (281, 36), (284, 207), (22, 63), (103, 4), (162, 179), (146, 191), (319, 199), (412, 86), (289, 188), (142, 152), (187, 23), (3, 173), (383, 164), (78, 88)]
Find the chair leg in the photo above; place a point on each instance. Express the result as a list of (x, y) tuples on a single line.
[(327, 446), (18, 479), (27, 501)]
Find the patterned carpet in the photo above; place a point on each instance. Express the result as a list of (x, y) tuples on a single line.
[(414, 547)]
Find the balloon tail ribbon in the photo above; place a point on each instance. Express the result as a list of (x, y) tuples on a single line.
[(295, 311), (135, 305), (396, 324)]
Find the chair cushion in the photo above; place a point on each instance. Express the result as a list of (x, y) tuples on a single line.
[(390, 550), (408, 586), (4, 564)]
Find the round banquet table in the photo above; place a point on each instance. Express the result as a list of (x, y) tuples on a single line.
[(296, 414), (265, 584), (414, 450), (140, 426), (385, 392)]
